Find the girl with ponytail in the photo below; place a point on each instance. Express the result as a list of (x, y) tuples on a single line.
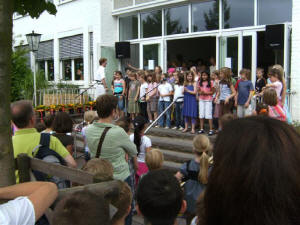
[(195, 174), (143, 145)]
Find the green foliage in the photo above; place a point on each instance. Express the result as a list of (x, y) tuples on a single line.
[(22, 77), (34, 7), (63, 85)]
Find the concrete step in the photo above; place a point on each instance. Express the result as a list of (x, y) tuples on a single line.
[(178, 157), (172, 144), (161, 132), (172, 166)]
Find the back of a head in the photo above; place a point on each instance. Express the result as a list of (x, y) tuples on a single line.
[(226, 118), (124, 122), (123, 202), (105, 105), (81, 208), (255, 178), (154, 159), (48, 120), (22, 113), (89, 116), (159, 197), (101, 168), (62, 123), (270, 97)]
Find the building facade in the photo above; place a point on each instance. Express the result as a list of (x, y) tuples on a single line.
[(168, 33), (73, 40)]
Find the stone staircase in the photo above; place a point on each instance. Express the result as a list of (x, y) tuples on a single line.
[(176, 146)]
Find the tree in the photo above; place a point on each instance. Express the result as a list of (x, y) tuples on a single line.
[(7, 7)]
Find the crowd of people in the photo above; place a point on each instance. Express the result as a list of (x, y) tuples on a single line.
[(250, 175), (198, 94)]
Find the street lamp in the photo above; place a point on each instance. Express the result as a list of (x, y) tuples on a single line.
[(33, 40)]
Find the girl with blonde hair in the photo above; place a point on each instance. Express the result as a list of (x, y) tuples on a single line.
[(195, 174)]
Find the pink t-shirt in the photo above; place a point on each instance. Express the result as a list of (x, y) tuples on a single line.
[(151, 86), (206, 89), (278, 88)]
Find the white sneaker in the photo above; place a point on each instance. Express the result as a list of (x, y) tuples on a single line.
[(167, 127), (157, 126), (181, 128), (174, 128)]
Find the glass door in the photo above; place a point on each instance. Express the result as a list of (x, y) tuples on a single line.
[(151, 55), (229, 52)]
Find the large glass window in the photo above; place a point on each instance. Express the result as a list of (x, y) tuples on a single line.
[(237, 13), (177, 20), (41, 65), (67, 69), (78, 69), (151, 24), (128, 28), (274, 11), (205, 16)]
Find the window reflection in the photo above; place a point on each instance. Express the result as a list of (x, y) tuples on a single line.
[(67, 69), (237, 13), (50, 70), (151, 24), (128, 28), (205, 16), (78, 69), (177, 20), (274, 11)]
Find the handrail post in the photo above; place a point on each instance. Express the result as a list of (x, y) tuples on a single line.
[(155, 121), (23, 163)]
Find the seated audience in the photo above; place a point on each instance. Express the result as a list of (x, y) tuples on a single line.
[(116, 143), (27, 138), (31, 200), (101, 168), (154, 159), (195, 174), (40, 127), (89, 118), (81, 208), (143, 144), (274, 108), (253, 183), (160, 198), (63, 126), (48, 121), (123, 204), (226, 118)]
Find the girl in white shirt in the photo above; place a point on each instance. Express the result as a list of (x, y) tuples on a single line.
[(178, 98), (143, 144)]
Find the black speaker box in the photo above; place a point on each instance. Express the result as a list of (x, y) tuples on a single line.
[(122, 50), (274, 36)]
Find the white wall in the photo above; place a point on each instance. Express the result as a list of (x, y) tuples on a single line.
[(73, 17), (295, 62)]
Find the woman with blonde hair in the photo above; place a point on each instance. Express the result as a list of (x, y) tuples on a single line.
[(195, 174)]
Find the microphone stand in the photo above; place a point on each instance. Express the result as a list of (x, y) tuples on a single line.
[(144, 96)]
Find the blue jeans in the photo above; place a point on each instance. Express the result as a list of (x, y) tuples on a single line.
[(178, 114), (162, 105)]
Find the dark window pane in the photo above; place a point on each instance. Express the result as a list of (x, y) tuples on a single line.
[(151, 24), (128, 28), (50, 70), (67, 69), (205, 16), (237, 13), (274, 11), (177, 20), (78, 69), (41, 65)]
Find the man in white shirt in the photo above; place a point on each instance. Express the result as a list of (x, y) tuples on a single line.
[(31, 200), (101, 87), (165, 91)]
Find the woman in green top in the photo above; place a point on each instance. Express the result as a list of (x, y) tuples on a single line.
[(116, 142)]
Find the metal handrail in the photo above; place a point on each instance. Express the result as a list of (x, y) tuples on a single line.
[(160, 115)]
